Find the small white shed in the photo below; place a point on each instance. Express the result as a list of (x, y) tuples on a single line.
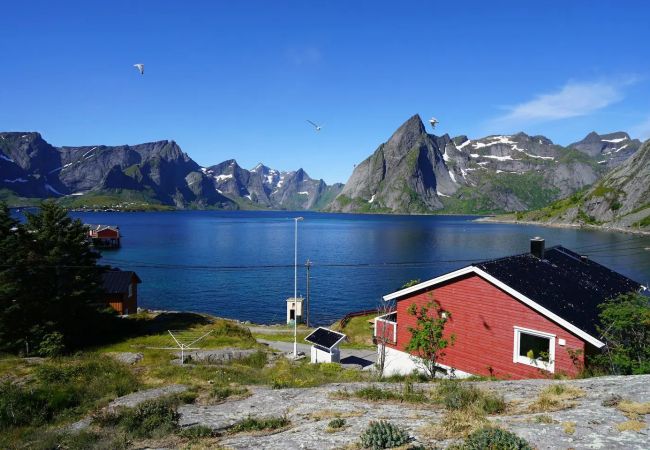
[(325, 345), (294, 310)]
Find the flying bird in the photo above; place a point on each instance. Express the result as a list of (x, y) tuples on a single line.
[(433, 121), (140, 68), (317, 127)]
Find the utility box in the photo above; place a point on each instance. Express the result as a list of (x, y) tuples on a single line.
[(325, 345), (294, 310)]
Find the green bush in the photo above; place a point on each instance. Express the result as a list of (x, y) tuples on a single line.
[(494, 439), (197, 432), (223, 392), (64, 389), (336, 423), (19, 406), (259, 424), (152, 418), (624, 325), (52, 344), (383, 434), (455, 395)]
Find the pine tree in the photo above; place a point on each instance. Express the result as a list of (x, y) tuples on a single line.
[(53, 284)]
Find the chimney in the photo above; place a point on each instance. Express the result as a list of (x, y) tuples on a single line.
[(537, 247)]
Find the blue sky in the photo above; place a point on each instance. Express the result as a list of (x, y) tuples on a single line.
[(230, 79)]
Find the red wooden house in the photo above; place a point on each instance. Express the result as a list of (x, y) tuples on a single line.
[(107, 236), (121, 290), (523, 316)]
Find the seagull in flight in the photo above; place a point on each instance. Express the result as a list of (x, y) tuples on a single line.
[(140, 68), (433, 121), (317, 127)]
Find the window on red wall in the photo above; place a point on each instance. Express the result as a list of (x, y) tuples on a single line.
[(534, 348)]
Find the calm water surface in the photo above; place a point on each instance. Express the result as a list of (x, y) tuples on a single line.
[(240, 264)]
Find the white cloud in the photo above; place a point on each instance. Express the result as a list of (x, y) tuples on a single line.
[(573, 100), (641, 130)]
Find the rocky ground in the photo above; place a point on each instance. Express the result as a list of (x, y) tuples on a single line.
[(590, 421)]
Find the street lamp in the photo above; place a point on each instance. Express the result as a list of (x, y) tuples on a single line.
[(295, 288)]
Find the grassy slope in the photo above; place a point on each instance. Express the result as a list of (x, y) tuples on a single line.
[(80, 384)]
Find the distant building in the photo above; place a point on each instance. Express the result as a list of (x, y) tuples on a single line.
[(525, 316), (121, 290), (104, 236)]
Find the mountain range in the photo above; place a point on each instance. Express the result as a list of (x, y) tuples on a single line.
[(621, 199), (417, 172), (156, 173), (412, 172)]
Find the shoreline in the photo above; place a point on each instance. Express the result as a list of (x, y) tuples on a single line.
[(494, 219)]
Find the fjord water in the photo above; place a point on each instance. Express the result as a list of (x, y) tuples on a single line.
[(240, 264)]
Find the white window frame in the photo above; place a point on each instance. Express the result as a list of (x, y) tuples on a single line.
[(517, 358)]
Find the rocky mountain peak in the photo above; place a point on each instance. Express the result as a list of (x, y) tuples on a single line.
[(407, 134)]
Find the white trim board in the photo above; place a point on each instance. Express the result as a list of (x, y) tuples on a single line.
[(516, 294)]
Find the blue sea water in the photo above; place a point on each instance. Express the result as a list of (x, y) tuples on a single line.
[(240, 264)]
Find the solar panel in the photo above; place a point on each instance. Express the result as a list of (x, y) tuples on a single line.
[(325, 338)]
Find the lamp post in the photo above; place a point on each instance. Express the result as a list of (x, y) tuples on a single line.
[(295, 288)]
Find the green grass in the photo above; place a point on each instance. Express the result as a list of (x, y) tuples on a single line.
[(358, 331), (251, 424), (33, 397)]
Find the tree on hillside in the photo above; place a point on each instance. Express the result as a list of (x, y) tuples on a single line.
[(52, 284), (428, 341), (9, 288), (625, 329)]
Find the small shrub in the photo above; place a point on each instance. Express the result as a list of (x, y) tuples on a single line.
[(455, 395), (259, 424), (223, 392), (151, 418), (383, 434), (53, 344), (336, 423), (197, 432), (494, 439)]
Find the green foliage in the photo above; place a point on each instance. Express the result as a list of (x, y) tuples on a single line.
[(427, 337), (64, 389), (336, 423), (223, 392), (197, 432), (645, 222), (408, 394), (383, 434), (259, 424), (625, 328), (456, 395), (50, 284), (410, 283), (151, 418), (51, 345), (494, 439)]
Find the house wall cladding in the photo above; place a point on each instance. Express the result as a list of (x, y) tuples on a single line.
[(483, 317)]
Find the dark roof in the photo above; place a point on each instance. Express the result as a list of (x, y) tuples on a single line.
[(118, 281), (564, 283), (324, 337)]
